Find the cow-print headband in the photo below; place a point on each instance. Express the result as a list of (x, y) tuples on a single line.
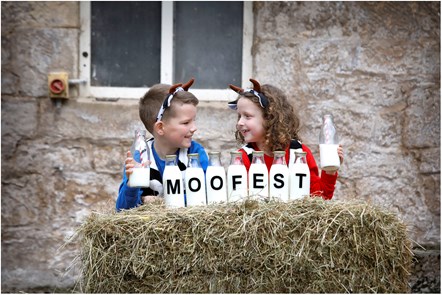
[(172, 91), (256, 91)]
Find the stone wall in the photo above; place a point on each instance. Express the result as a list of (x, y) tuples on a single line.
[(374, 65)]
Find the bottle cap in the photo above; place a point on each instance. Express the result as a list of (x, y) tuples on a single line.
[(300, 153)]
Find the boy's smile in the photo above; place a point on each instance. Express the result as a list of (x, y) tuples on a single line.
[(180, 127)]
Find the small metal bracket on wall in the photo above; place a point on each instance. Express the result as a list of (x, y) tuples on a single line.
[(77, 81)]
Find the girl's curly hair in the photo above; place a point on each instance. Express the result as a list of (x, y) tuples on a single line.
[(280, 121)]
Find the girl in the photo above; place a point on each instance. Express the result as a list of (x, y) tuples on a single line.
[(267, 122)]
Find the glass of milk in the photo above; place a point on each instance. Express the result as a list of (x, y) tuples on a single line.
[(258, 176), (299, 177), (279, 177), (173, 184), (195, 182), (328, 145), (216, 180), (236, 178), (140, 175)]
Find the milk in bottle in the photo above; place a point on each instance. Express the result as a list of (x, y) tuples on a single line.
[(140, 175), (258, 176), (279, 177), (173, 184), (236, 178), (195, 182), (299, 177), (216, 180), (328, 145)]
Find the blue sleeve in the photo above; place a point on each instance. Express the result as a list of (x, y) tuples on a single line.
[(204, 159), (128, 197)]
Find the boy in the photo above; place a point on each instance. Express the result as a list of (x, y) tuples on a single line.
[(168, 113)]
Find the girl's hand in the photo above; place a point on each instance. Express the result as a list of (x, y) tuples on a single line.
[(341, 153), (341, 159)]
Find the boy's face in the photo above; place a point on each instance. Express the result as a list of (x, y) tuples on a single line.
[(180, 126), (250, 121)]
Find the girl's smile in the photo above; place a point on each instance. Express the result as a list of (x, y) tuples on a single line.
[(250, 121)]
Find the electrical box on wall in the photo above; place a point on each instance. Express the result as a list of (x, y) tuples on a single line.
[(58, 84)]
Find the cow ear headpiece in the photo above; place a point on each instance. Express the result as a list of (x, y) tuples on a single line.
[(172, 91), (256, 91)]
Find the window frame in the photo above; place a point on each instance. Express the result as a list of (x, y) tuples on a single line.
[(166, 64)]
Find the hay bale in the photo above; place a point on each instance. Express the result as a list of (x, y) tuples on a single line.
[(303, 246)]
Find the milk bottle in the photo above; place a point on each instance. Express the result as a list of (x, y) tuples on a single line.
[(258, 176), (236, 178), (279, 177), (173, 184), (195, 182), (299, 177), (140, 175), (328, 145), (216, 180)]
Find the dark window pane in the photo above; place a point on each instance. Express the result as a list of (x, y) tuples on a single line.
[(125, 43), (208, 43)]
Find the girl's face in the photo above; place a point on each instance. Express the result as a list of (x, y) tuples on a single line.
[(250, 121), (179, 128)]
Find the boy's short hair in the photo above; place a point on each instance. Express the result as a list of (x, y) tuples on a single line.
[(150, 104)]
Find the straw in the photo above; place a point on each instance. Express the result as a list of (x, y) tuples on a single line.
[(303, 246)]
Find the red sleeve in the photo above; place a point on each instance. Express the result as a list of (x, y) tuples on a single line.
[(245, 159), (323, 185)]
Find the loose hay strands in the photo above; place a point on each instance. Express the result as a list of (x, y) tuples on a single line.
[(303, 246)]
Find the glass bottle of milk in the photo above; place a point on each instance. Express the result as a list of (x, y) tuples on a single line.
[(195, 182), (328, 145), (299, 177), (258, 176), (279, 177), (216, 180), (236, 178), (140, 151), (173, 184)]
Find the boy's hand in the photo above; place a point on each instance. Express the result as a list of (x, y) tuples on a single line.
[(130, 163), (150, 199)]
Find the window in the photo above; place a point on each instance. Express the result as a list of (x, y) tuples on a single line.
[(125, 47)]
